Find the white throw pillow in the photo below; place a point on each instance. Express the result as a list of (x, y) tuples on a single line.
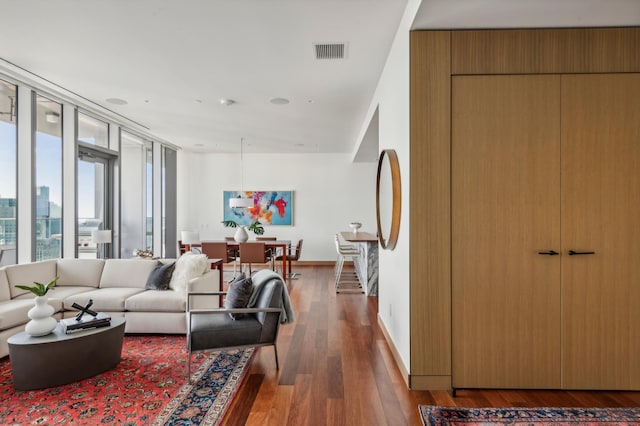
[(188, 266)]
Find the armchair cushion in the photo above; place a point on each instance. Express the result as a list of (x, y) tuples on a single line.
[(219, 331), (160, 276), (240, 290)]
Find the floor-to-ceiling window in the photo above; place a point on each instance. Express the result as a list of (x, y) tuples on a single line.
[(8, 175), (94, 184), (148, 146), (48, 179), (133, 196)]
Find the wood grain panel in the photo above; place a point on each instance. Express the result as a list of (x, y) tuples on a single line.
[(429, 204), (601, 201), (534, 51), (506, 204)]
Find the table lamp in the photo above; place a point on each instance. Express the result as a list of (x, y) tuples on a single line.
[(189, 238), (100, 237)]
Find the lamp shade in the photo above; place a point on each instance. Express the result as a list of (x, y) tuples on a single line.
[(101, 236), (240, 202), (190, 237)]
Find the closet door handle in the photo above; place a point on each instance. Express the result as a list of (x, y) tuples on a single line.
[(549, 253), (575, 253)]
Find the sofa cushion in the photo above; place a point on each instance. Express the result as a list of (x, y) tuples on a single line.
[(156, 301), (160, 276), (14, 312), (5, 292), (79, 272), (188, 266), (59, 294), (130, 273), (26, 274), (104, 299)]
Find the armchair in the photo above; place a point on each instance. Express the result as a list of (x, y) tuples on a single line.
[(212, 329)]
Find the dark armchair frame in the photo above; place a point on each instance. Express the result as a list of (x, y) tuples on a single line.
[(227, 311)]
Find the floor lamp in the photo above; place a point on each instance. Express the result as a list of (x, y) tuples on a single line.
[(100, 237)]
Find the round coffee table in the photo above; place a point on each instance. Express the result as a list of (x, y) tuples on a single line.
[(58, 358)]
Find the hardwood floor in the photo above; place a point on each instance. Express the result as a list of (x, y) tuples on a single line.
[(337, 369)]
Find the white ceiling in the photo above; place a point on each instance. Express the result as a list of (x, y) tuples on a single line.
[(173, 60)]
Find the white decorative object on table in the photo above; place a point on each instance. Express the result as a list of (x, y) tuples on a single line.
[(241, 235), (42, 322), (355, 226)]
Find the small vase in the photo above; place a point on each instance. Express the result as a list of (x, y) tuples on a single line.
[(42, 322), (241, 235)]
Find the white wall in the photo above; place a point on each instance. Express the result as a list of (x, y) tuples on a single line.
[(329, 192), (392, 99)]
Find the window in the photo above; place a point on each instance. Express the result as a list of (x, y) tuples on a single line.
[(93, 131), (8, 173), (48, 179), (93, 184), (133, 211), (149, 195)]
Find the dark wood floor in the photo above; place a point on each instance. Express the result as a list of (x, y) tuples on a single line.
[(337, 369)]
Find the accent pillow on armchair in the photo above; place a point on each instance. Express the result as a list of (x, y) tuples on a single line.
[(238, 295)]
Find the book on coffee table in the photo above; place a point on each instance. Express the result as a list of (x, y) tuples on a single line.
[(69, 325)]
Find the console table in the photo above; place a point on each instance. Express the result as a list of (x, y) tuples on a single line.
[(366, 265), (58, 358)]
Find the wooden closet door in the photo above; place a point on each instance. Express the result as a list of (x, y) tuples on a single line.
[(506, 209), (601, 213)]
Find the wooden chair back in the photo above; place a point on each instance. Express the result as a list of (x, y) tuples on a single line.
[(216, 250)]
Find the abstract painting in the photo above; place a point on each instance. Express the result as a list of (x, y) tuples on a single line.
[(269, 207)]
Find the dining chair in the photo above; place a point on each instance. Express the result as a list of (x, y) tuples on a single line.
[(219, 250), (293, 254), (182, 248), (254, 252), (233, 251), (271, 253)]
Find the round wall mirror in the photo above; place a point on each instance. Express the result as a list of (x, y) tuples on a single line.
[(388, 199)]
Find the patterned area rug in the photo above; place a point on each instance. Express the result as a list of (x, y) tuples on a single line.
[(529, 416), (149, 386)]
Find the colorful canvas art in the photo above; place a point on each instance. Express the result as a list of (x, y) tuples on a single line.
[(269, 208)]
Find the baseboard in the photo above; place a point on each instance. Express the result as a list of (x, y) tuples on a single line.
[(313, 263), (394, 351), (430, 383)]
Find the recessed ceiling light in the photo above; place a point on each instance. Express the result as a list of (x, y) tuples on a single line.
[(279, 101), (117, 101), (227, 102)]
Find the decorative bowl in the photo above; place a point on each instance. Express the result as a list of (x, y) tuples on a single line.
[(355, 226)]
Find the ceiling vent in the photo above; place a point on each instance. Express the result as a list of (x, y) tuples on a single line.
[(330, 50)]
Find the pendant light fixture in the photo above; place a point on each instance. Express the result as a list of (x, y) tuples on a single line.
[(241, 202)]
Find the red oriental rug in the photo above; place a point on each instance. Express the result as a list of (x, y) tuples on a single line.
[(148, 387), (542, 416)]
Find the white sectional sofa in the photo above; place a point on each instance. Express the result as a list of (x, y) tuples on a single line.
[(116, 286)]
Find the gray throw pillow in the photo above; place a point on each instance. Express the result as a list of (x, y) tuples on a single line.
[(238, 295), (160, 276)]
